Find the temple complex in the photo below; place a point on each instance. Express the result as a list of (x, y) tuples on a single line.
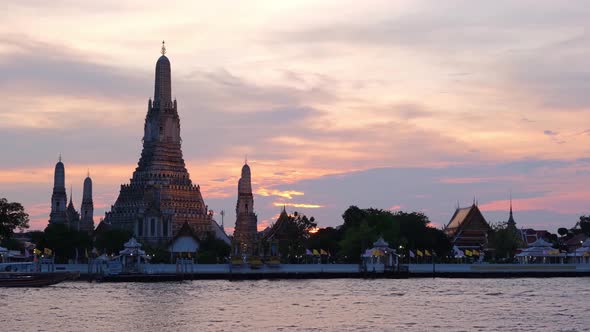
[(245, 234), (62, 214), (468, 229), (161, 197)]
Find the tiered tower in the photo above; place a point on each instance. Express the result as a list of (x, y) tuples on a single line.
[(59, 197), (87, 207), (160, 197), (245, 234)]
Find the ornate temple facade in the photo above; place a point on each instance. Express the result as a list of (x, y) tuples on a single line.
[(468, 229), (62, 214), (161, 197), (246, 231)]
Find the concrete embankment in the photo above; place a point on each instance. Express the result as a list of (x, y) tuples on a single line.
[(498, 270), (172, 272)]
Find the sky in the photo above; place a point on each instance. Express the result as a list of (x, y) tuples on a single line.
[(399, 105)]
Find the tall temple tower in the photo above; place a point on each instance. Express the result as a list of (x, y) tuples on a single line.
[(160, 197), (87, 207), (245, 234), (59, 197)]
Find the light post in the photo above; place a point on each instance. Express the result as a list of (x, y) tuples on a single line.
[(576, 252)]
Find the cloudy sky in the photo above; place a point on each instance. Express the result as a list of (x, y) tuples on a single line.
[(401, 105)]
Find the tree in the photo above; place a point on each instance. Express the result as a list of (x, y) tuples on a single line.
[(325, 238), (505, 241), (112, 240), (212, 250), (562, 231), (12, 216), (65, 242), (411, 230), (585, 224)]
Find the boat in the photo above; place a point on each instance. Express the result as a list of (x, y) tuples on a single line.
[(40, 279)]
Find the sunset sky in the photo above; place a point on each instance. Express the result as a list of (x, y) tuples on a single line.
[(401, 105)]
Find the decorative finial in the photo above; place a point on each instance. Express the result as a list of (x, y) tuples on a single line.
[(59, 157), (71, 193), (163, 51), (246, 159), (88, 173)]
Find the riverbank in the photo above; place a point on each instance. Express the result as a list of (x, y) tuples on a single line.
[(174, 272)]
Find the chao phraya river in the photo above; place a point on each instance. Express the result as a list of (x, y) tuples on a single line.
[(556, 304)]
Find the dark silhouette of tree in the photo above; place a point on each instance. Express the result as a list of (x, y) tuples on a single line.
[(585, 224), (410, 230), (505, 241), (562, 231), (65, 243), (112, 240), (213, 250), (12, 216)]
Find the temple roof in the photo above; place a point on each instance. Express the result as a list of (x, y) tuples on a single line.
[(459, 217), (279, 225), (463, 217)]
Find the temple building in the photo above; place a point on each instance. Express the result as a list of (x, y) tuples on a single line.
[(161, 197), (468, 229), (246, 231), (276, 238), (62, 214)]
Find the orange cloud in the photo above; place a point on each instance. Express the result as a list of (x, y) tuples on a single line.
[(285, 194), (298, 205)]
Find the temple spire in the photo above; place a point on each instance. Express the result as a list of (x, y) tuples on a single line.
[(511, 221), (163, 89)]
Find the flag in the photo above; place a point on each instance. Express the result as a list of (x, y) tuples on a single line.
[(427, 253), (47, 251), (308, 252), (315, 252), (468, 252), (323, 252), (420, 253), (412, 254)]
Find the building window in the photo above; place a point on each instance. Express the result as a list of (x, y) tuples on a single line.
[(140, 228), (246, 207), (165, 228), (153, 227)]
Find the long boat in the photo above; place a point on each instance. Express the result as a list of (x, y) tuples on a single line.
[(41, 279)]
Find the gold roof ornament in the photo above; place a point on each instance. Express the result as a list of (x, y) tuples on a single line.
[(163, 51)]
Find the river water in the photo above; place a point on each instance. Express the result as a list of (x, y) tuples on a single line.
[(556, 304)]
